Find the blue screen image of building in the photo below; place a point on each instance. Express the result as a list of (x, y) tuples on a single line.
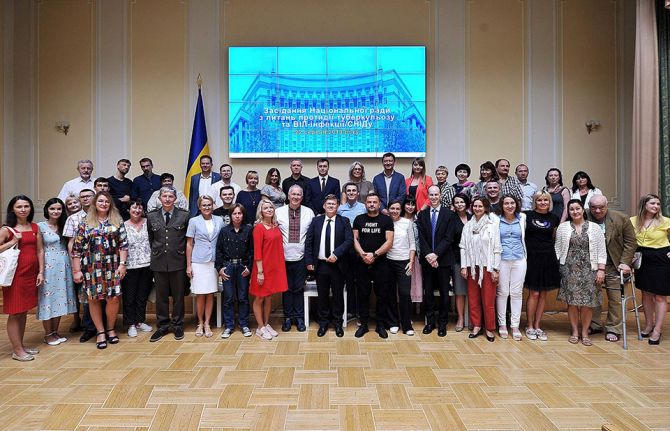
[(368, 113)]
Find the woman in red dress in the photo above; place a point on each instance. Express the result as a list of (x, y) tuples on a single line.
[(268, 275), (21, 296)]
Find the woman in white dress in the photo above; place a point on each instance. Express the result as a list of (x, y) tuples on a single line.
[(201, 236)]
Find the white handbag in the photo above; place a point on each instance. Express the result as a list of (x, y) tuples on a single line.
[(9, 260)]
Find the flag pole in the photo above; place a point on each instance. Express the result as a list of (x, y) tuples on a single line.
[(199, 81)]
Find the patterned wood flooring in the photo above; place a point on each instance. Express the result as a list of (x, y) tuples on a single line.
[(301, 382)]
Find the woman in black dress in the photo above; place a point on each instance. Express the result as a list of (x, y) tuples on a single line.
[(542, 271), (250, 197)]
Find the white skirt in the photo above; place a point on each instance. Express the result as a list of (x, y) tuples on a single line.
[(205, 278)]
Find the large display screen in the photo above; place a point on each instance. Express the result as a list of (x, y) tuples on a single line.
[(327, 101)]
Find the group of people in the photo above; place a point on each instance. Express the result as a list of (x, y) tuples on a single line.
[(410, 239)]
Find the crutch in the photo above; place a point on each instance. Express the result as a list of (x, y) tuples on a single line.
[(623, 279)]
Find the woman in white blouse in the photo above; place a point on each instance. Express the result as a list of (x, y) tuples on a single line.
[(201, 236), (480, 264), (583, 189), (401, 261), (137, 283)]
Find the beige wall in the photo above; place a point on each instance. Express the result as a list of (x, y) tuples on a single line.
[(158, 85), (2, 95)]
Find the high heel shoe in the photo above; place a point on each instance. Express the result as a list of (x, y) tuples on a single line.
[(475, 334), (101, 344), (655, 342), (113, 339), (490, 338)]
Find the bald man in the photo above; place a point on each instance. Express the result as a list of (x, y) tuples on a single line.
[(621, 244)]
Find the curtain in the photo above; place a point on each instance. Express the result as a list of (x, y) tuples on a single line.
[(663, 29), (645, 143)]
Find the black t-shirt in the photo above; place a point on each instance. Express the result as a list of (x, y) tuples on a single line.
[(540, 231), (119, 189), (224, 213), (372, 230)]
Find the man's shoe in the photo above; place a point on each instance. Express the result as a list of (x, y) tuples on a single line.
[(362, 330), (339, 331), (442, 331), (178, 332), (301, 325), (86, 335), (286, 326), (132, 331), (322, 331), (428, 329), (160, 333), (144, 327), (382, 332)]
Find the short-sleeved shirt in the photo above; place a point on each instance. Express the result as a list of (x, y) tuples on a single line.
[(372, 230), (655, 236)]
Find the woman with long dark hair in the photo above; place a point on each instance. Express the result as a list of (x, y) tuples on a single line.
[(653, 276), (560, 195), (417, 184), (583, 189), (272, 188), (487, 172), (56, 296), (21, 296), (99, 259)]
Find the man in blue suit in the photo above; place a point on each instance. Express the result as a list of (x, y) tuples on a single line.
[(389, 184), (321, 186), (329, 239), (200, 184)]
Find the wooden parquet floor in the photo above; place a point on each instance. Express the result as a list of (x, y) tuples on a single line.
[(301, 382)]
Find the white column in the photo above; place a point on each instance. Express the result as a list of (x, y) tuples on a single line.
[(204, 58), (112, 139)]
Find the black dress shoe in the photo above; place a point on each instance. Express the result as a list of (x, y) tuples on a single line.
[(301, 325), (322, 331), (362, 330), (87, 335), (475, 334), (286, 326), (655, 342), (382, 332), (645, 334), (428, 329), (160, 333), (178, 332), (442, 331), (339, 331)]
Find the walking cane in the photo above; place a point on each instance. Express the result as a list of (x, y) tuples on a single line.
[(623, 279)]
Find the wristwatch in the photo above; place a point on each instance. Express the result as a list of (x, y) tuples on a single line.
[(375, 255)]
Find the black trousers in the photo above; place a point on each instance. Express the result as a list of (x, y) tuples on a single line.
[(367, 274), (330, 278), (437, 311), (136, 286), (293, 299), (170, 283), (399, 298)]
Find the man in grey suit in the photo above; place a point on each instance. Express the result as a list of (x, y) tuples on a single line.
[(167, 236)]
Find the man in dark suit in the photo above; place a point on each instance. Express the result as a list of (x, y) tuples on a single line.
[(389, 184), (200, 184), (435, 225), (167, 236), (621, 243), (329, 239), (321, 186)]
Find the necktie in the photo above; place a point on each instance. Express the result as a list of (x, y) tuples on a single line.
[(323, 185), (167, 218), (433, 224), (328, 250)]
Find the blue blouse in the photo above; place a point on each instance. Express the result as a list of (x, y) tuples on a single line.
[(510, 239)]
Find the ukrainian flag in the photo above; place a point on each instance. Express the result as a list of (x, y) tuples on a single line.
[(199, 146)]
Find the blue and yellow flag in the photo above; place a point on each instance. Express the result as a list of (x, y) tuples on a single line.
[(199, 146)]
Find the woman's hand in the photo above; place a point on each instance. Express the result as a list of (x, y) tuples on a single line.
[(494, 276), (600, 276), (260, 278), (409, 268), (189, 271), (246, 272), (121, 272), (40, 279), (223, 275), (464, 273), (78, 277)]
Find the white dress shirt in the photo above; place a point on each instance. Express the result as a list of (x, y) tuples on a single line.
[(74, 186), (215, 192), (322, 246)]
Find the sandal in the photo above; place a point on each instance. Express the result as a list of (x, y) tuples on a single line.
[(199, 331), (503, 332), (612, 337), (516, 334), (208, 331), (101, 344), (113, 339), (587, 342), (573, 339)]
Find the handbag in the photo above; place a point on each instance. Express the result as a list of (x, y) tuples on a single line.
[(637, 260), (9, 260)]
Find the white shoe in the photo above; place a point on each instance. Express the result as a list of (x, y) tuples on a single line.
[(226, 333), (61, 339), (410, 332), (132, 331), (271, 331), (541, 335), (246, 331), (530, 333), (263, 333), (144, 327), (393, 329)]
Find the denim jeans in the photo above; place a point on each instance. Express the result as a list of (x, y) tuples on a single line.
[(235, 286)]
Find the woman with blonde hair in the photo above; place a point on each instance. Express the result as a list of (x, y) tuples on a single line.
[(653, 276), (357, 177), (268, 274), (201, 237), (417, 184), (99, 261)]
